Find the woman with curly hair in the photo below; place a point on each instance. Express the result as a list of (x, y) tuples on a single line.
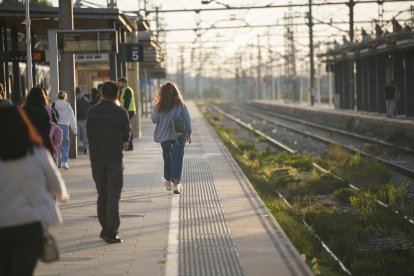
[(169, 105)]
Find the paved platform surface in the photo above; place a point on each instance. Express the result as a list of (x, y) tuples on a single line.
[(218, 226)]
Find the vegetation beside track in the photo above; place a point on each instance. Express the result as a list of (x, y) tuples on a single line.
[(367, 238)]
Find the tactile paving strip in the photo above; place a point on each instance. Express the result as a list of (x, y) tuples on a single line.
[(206, 244)]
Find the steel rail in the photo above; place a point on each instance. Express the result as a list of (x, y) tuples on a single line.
[(401, 169), (347, 133), (286, 148)]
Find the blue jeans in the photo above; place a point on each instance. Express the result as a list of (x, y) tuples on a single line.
[(173, 155), (64, 150), (82, 135)]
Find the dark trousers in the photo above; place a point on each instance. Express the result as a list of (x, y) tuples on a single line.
[(109, 181), (173, 155), (20, 248), (131, 146)]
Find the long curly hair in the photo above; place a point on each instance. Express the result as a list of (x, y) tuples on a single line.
[(167, 96)]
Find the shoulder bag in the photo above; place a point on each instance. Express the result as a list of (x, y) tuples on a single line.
[(178, 128)]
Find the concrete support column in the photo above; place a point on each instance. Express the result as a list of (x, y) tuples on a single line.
[(359, 86), (67, 68), (2, 50), (398, 75), (380, 80), (373, 96), (409, 82), (112, 57)]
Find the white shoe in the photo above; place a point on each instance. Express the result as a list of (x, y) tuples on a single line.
[(177, 189), (65, 165), (167, 185)]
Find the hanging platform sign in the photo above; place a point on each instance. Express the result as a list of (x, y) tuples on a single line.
[(87, 41), (131, 52)]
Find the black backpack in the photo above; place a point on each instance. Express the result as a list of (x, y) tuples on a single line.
[(55, 113)]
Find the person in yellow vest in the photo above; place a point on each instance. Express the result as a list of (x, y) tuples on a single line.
[(127, 100)]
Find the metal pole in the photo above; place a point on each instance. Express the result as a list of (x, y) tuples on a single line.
[(29, 76), (352, 83), (312, 62), (54, 64), (351, 20), (259, 73)]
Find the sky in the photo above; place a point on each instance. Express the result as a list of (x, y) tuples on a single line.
[(225, 50)]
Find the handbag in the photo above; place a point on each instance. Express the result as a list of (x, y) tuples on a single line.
[(178, 124), (50, 250), (178, 128)]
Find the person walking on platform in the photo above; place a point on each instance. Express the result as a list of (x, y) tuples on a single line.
[(391, 96), (66, 118), (82, 106), (26, 168), (95, 95), (127, 100), (35, 105), (169, 114), (108, 131)]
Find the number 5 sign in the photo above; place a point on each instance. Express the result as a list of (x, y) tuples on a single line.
[(131, 52)]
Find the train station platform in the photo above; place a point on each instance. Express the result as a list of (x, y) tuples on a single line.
[(217, 226), (370, 123)]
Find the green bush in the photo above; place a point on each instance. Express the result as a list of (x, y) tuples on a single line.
[(363, 202), (384, 263), (343, 195), (391, 194), (324, 184), (365, 173)]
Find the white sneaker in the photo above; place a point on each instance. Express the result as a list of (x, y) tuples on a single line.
[(65, 165), (177, 189), (167, 185)]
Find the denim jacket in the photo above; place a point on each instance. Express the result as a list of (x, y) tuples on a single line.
[(163, 130)]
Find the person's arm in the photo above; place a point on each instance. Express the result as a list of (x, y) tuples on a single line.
[(72, 121), (155, 117), (187, 120), (127, 98), (126, 131), (397, 93)]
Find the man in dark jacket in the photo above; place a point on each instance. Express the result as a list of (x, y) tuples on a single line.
[(108, 134), (82, 106)]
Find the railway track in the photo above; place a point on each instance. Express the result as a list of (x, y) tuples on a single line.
[(284, 147), (401, 160), (262, 127)]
